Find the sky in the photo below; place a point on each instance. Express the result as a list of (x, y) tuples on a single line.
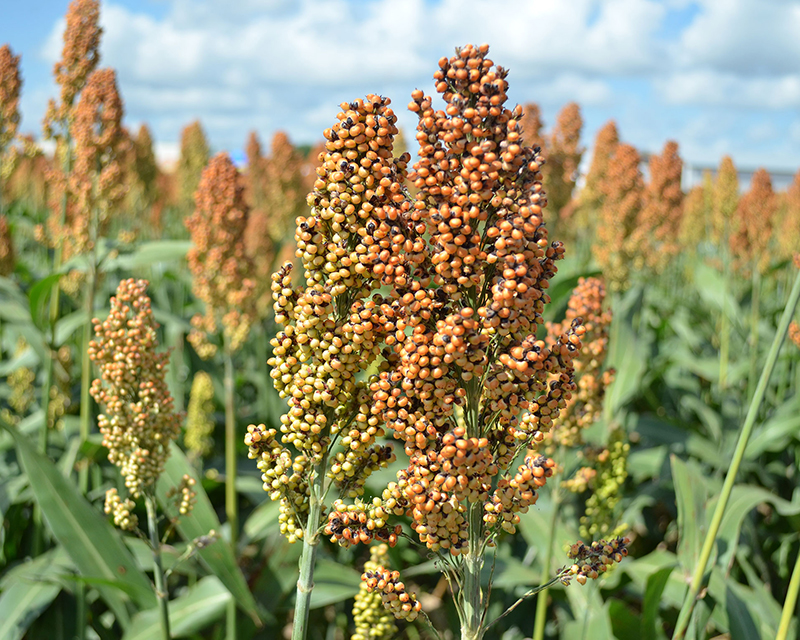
[(718, 76)]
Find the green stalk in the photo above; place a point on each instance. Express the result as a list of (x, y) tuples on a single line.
[(754, 320), (86, 375), (471, 596), (158, 572), (790, 604), (724, 331), (231, 507), (738, 456), (541, 599), (305, 583)]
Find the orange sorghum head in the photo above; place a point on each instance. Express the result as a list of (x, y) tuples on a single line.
[(660, 219), (696, 214), (372, 621), (794, 333), (605, 146), (10, 85), (220, 267), (80, 55), (589, 561), (139, 420), (751, 226), (586, 404), (616, 248), (7, 254), (399, 602), (563, 157), (788, 232), (531, 124)]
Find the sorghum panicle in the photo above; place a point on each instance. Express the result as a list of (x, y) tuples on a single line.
[(788, 231), (139, 421), (611, 470), (183, 495), (592, 560), (794, 333), (531, 125), (124, 518), (563, 157), (10, 85), (751, 228), (616, 248), (726, 200), (586, 404), (194, 157), (199, 423), (660, 218), (696, 216), (220, 267), (472, 335), (79, 57), (8, 258), (372, 620), (605, 146), (402, 604)]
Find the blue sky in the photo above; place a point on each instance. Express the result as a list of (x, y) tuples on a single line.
[(719, 76)]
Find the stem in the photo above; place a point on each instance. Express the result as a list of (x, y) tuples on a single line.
[(730, 478), (231, 507), (305, 583), (161, 592), (754, 319), (86, 375), (541, 600), (790, 604), (471, 595), (725, 327)]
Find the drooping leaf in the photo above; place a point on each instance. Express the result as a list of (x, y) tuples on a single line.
[(218, 556), (202, 604), (91, 542)]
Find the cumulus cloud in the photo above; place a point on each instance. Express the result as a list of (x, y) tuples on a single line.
[(286, 64)]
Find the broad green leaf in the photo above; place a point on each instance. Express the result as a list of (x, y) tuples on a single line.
[(91, 542), (68, 325), (202, 604), (690, 496), (624, 622), (218, 557), (148, 253), (38, 296), (652, 601), (262, 521), (333, 583), (21, 604)]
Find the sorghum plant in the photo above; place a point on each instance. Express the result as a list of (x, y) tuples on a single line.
[(563, 157), (531, 124), (788, 239), (463, 379), (751, 225), (7, 255), (605, 146), (660, 218), (696, 216), (616, 248), (139, 421), (10, 85), (222, 280), (194, 157), (199, 424)]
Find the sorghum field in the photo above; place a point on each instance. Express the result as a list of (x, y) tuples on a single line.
[(355, 391)]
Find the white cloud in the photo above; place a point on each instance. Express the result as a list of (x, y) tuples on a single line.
[(706, 87)]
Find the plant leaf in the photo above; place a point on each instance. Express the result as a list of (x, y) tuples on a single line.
[(218, 557), (91, 542), (202, 604)]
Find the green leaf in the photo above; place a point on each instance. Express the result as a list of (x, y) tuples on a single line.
[(21, 604), (652, 601), (690, 495), (218, 557), (262, 521), (38, 297), (148, 254), (91, 542), (333, 583), (624, 622), (202, 604)]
